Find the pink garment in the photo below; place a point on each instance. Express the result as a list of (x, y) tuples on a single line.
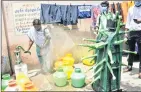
[(95, 13)]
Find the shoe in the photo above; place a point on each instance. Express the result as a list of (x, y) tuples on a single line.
[(139, 75), (127, 69)]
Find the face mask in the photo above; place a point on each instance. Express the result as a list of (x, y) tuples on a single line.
[(104, 9), (137, 3)]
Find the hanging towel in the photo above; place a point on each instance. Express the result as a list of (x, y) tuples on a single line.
[(50, 14), (84, 11), (95, 11)]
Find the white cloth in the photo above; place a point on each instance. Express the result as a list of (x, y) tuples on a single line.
[(133, 13), (43, 49), (39, 37)]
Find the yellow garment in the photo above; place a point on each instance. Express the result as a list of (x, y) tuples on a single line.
[(130, 4), (124, 7)]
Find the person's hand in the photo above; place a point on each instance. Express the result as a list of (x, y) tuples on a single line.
[(138, 21), (126, 35), (28, 52), (96, 30)]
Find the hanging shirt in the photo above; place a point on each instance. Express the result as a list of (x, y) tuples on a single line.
[(50, 14), (124, 7), (113, 8), (130, 4), (94, 15), (84, 11), (118, 5), (133, 13)]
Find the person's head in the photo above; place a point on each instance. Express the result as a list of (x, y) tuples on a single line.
[(137, 3), (37, 24), (104, 6)]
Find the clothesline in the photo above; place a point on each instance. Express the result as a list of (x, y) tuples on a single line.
[(69, 14)]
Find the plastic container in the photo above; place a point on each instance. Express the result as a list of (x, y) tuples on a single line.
[(12, 86), (5, 79), (60, 78), (21, 68), (22, 79), (29, 87), (88, 62), (78, 78), (68, 60), (68, 70), (58, 64)]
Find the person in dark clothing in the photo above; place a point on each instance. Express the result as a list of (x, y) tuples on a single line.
[(134, 24)]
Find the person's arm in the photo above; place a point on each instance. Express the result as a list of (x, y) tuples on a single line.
[(97, 23), (31, 41), (47, 36), (127, 26), (30, 44)]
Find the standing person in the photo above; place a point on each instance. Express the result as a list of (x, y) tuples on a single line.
[(104, 16), (42, 38), (101, 24), (134, 24)]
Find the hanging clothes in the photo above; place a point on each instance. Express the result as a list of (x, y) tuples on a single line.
[(63, 14), (95, 11), (130, 4), (69, 14), (50, 14), (118, 5), (84, 11), (124, 6), (113, 8)]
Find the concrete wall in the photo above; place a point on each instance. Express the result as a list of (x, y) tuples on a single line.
[(14, 40)]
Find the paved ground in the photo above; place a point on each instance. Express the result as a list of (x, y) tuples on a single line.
[(129, 81)]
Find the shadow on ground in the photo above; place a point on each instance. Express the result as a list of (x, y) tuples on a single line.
[(130, 87)]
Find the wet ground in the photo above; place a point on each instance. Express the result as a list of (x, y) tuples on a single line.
[(129, 81)]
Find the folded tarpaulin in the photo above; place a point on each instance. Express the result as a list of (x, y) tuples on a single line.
[(84, 11)]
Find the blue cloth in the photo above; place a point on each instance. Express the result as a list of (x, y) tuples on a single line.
[(44, 13), (104, 9), (69, 14), (63, 14), (50, 14), (84, 11)]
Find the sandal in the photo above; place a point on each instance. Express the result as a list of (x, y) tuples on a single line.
[(139, 75), (127, 69)]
